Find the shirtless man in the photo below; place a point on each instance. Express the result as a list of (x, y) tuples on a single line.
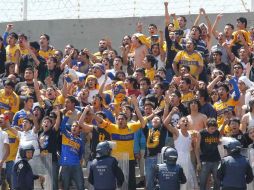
[(196, 119), (138, 42)]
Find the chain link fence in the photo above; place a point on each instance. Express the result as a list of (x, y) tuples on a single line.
[(17, 10)]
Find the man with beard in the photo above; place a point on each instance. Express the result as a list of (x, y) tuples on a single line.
[(102, 47)]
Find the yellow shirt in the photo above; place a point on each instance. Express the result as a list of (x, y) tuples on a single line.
[(47, 54), (98, 55), (220, 108), (148, 39), (185, 98), (14, 144), (150, 73), (124, 138), (10, 53), (194, 61), (9, 103), (24, 52)]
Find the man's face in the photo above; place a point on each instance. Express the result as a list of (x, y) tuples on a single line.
[(46, 124), (238, 70), (195, 34), (50, 93), (148, 109), (228, 31), (143, 85), (97, 72), (139, 75), (152, 30), (102, 45), (222, 92), (240, 25), (121, 121), (29, 154), (183, 85), (21, 40), (91, 83), (117, 63), (216, 57), (68, 104), (243, 54), (189, 46), (67, 49), (11, 40), (28, 75), (8, 90), (221, 38), (181, 21), (43, 41), (75, 129), (184, 123), (29, 103), (212, 129)]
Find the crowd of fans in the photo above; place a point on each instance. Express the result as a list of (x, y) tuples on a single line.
[(170, 87)]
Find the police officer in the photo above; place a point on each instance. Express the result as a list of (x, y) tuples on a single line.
[(23, 177), (234, 171), (170, 174), (104, 171)]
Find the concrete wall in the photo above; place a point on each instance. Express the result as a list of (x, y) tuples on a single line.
[(85, 33)]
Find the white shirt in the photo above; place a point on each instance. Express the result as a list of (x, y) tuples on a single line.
[(3, 140), (29, 138), (101, 80)]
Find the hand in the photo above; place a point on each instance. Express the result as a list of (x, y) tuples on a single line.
[(161, 32), (173, 15), (134, 100), (9, 27), (202, 11), (167, 97), (69, 113), (229, 77), (86, 51), (36, 74), (157, 111), (165, 4), (139, 26), (138, 156), (219, 16), (174, 110), (41, 179)]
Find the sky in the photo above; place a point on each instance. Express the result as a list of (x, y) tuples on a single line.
[(17, 10)]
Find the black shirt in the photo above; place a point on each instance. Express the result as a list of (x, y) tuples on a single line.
[(209, 146), (154, 147), (48, 142)]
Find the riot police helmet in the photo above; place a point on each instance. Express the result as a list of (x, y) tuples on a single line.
[(170, 155), (23, 149), (103, 149), (233, 146)]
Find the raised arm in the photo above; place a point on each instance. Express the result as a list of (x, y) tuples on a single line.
[(58, 119), (167, 124), (161, 43), (86, 128), (167, 16), (134, 101), (214, 30), (196, 22), (67, 60)]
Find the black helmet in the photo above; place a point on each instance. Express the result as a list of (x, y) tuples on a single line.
[(170, 155), (233, 147), (103, 149), (23, 149)]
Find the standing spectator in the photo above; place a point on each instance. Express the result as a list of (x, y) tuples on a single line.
[(207, 148), (71, 154), (2, 56), (9, 100), (189, 57), (4, 153), (123, 134)]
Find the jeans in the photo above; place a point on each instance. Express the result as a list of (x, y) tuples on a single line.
[(169, 75), (150, 165), (206, 169), (74, 173), (8, 171), (55, 172), (132, 175)]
